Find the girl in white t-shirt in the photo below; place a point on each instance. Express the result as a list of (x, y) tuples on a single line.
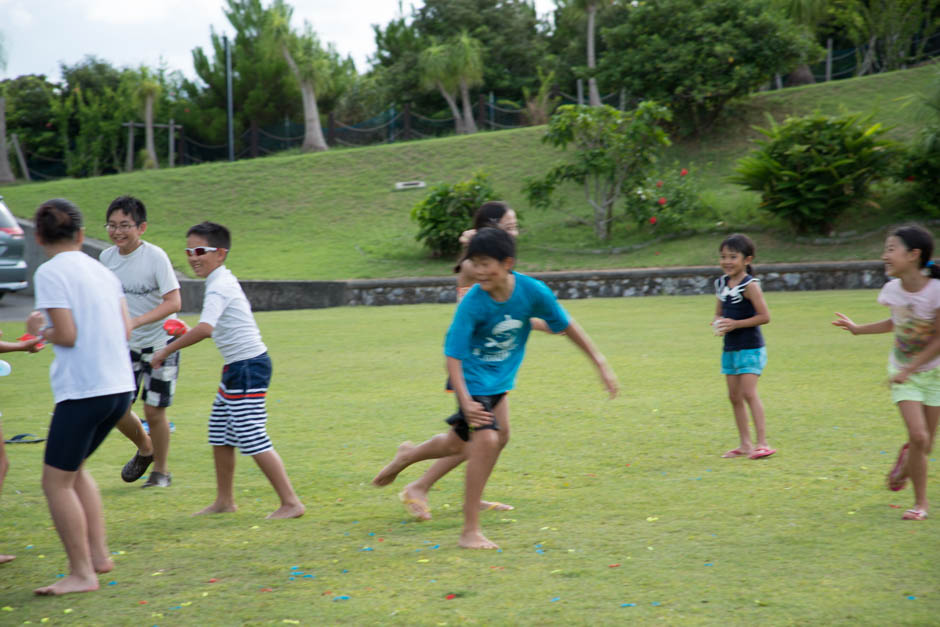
[(913, 295), (81, 311)]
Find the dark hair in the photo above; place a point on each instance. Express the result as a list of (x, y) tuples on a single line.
[(57, 220), (492, 242), (739, 243), (215, 234), (489, 214), (129, 205), (918, 238)]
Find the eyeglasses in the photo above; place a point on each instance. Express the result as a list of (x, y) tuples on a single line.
[(123, 226), (199, 251)]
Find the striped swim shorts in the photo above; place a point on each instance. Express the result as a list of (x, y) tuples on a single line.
[(239, 413)]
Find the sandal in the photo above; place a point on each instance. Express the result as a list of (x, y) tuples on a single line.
[(915, 514), (735, 452), (25, 438), (895, 481), (761, 452)]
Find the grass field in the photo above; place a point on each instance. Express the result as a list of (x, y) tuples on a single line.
[(624, 510), (335, 215)]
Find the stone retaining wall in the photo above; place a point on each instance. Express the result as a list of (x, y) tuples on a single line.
[(278, 295)]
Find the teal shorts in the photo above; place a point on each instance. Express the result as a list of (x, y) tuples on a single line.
[(923, 387), (747, 361)]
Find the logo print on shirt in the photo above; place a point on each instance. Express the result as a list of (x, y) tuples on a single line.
[(502, 341), (736, 293)]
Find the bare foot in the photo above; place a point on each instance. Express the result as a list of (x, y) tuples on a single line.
[(66, 585), (105, 565), (495, 506), (475, 540), (288, 511), (218, 508), (416, 502), (398, 463), (6, 558)]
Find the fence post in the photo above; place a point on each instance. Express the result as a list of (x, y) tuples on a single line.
[(331, 129), (481, 110), (779, 81), (623, 98), (253, 138), (828, 59), (580, 92), (407, 117), (492, 115), (182, 145), (172, 155), (19, 156), (129, 162)]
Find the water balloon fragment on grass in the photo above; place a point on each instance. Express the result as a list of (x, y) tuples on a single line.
[(342, 597), (628, 605)]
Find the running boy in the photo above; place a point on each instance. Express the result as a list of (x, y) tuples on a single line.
[(238, 413), (484, 347), (153, 295)]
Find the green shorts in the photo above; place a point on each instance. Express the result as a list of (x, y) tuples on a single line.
[(923, 387)]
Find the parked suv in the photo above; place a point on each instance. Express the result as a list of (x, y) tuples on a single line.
[(12, 250)]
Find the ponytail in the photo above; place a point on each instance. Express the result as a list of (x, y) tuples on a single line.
[(933, 270)]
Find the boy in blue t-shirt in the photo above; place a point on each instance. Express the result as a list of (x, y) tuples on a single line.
[(484, 347)]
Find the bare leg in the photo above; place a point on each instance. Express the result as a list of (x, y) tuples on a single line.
[(133, 430), (441, 445), (90, 498), (273, 468), (71, 522), (483, 451), (159, 436), (748, 388), (738, 404), (224, 457), (921, 424)]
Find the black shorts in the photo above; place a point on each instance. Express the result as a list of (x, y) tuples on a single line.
[(79, 426), (463, 428)]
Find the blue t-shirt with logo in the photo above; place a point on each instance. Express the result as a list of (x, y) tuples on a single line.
[(489, 337)]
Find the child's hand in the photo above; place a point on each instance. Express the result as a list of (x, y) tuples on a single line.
[(158, 358), (610, 380), (35, 322), (466, 236), (899, 378), (31, 343), (723, 325), (844, 322), (476, 415)]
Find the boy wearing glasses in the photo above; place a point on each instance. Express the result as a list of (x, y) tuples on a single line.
[(152, 292), (238, 412)]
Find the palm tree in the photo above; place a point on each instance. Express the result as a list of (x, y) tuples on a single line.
[(451, 67), (308, 64), (147, 91), (436, 73), (6, 173), (591, 7)]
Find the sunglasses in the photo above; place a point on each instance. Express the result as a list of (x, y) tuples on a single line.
[(199, 251)]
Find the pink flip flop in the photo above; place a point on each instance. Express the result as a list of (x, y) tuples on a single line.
[(914, 514), (761, 451), (735, 452), (896, 483)]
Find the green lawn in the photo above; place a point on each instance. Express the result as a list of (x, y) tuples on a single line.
[(625, 512), (335, 215)]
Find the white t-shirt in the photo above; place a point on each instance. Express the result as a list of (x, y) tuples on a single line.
[(99, 363), (146, 275), (913, 315), (227, 309)]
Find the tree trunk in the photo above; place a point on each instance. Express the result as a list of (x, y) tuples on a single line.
[(594, 96), (802, 75), (455, 111), (148, 134), (313, 132), (469, 126), (6, 173)]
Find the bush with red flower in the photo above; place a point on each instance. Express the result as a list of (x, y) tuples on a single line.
[(668, 203)]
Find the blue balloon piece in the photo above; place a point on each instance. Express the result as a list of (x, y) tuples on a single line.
[(5, 368), (628, 605)]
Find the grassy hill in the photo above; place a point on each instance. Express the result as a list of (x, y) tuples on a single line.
[(335, 215)]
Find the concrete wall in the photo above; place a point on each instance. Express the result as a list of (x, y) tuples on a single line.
[(277, 295)]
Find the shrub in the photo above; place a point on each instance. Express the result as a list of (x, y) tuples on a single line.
[(448, 211), (920, 167), (811, 169), (668, 203)]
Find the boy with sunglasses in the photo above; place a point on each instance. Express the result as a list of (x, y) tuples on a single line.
[(152, 292), (238, 414)]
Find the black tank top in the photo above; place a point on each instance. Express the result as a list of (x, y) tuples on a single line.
[(735, 306)]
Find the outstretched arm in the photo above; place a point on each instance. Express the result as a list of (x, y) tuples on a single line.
[(195, 335), (844, 322), (171, 304), (577, 335)]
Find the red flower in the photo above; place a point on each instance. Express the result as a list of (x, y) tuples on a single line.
[(662, 201), (653, 220), (659, 183), (683, 172)]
